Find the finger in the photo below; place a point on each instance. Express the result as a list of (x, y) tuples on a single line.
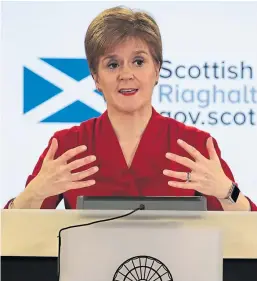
[(84, 174), (52, 149), (178, 175), (211, 149), (181, 160), (66, 156), (81, 184), (183, 185), (81, 162), (191, 150)]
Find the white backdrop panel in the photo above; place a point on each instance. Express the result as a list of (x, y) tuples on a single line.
[(195, 34)]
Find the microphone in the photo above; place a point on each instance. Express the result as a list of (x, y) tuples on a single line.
[(142, 207)]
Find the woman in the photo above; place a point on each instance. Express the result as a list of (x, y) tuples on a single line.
[(130, 150)]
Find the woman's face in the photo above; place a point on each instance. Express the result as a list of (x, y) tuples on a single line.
[(127, 75)]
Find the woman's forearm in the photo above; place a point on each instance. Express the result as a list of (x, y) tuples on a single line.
[(26, 200)]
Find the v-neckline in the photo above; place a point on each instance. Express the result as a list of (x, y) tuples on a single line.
[(139, 145), (133, 154), (147, 155), (114, 139)]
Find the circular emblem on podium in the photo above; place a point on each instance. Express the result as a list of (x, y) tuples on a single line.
[(142, 268)]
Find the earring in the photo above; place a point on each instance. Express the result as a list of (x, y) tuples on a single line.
[(156, 83)]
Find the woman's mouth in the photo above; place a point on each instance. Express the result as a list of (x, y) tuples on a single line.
[(128, 91)]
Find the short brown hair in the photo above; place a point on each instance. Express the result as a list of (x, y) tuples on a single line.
[(114, 25)]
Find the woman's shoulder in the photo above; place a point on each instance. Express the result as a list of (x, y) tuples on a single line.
[(191, 134), (178, 129), (75, 135), (76, 130), (185, 130)]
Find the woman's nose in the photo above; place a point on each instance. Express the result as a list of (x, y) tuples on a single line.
[(126, 73)]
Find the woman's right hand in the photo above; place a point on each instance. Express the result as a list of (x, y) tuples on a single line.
[(56, 176)]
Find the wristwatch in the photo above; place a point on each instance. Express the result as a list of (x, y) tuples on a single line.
[(233, 193)]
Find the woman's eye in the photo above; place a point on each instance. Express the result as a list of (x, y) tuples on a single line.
[(112, 65), (139, 62)]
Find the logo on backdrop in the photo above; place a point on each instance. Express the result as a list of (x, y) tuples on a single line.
[(60, 90), (209, 92), (142, 268)]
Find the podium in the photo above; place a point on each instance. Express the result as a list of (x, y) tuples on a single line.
[(29, 245), (145, 246)]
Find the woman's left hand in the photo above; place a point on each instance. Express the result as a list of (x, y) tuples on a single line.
[(207, 175)]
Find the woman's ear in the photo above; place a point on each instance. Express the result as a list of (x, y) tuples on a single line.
[(96, 79), (157, 73)]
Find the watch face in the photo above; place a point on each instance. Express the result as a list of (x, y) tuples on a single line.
[(235, 193)]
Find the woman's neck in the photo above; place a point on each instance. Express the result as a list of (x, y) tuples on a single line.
[(129, 126)]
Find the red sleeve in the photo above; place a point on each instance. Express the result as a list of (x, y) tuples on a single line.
[(67, 139), (228, 172), (253, 206), (50, 202), (198, 139)]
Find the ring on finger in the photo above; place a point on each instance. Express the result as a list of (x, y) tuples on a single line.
[(188, 177)]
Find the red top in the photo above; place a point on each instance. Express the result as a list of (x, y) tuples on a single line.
[(145, 175)]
